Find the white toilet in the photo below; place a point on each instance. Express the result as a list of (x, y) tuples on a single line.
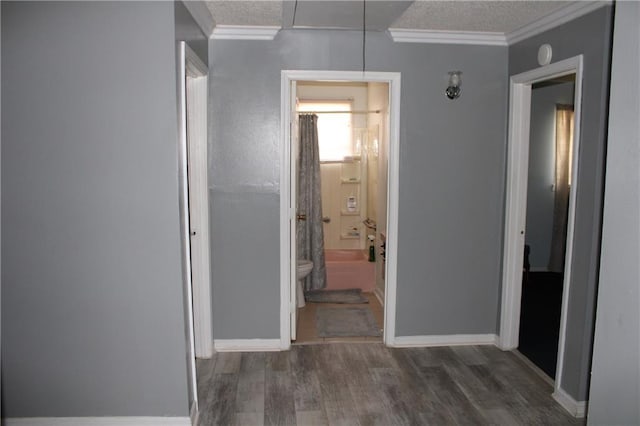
[(304, 268)]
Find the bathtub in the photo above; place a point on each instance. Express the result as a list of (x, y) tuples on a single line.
[(349, 269)]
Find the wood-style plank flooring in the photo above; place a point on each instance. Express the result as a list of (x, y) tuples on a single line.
[(370, 384)]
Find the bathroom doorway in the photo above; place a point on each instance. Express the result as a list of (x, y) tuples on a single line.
[(358, 180), (345, 302)]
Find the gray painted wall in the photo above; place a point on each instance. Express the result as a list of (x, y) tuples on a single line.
[(542, 148), (186, 29), (615, 382), (589, 35), (92, 318), (452, 162)]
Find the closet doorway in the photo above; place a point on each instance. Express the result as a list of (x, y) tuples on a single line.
[(514, 265), (548, 188)]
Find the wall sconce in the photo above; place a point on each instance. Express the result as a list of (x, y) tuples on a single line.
[(455, 80)]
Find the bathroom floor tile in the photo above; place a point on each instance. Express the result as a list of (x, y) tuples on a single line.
[(307, 333)]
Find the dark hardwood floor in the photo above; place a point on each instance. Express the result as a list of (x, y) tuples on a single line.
[(370, 384)]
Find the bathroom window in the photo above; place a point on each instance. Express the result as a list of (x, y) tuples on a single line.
[(335, 135), (564, 143)]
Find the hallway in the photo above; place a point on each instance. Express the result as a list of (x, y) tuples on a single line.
[(368, 383)]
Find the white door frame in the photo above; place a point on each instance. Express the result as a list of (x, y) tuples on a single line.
[(287, 194), (183, 185), (197, 76), (192, 140), (516, 202)]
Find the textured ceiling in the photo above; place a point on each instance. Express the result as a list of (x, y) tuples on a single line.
[(454, 15), (342, 14), (232, 12), (485, 16)]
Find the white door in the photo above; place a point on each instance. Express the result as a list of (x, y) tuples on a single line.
[(293, 211), (196, 75), (184, 232)]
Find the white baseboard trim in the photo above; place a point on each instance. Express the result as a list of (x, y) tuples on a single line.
[(444, 340), (97, 421), (194, 414), (379, 295), (247, 345), (575, 408)]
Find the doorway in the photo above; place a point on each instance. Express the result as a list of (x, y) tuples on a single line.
[(516, 204), (348, 221), (548, 189), (194, 218), (198, 191), (341, 197)]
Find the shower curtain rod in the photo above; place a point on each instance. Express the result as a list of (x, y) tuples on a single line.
[(376, 111)]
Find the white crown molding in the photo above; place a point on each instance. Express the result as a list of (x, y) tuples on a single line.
[(571, 11), (379, 295), (244, 32), (575, 408), (247, 345), (400, 35), (444, 340), (98, 421)]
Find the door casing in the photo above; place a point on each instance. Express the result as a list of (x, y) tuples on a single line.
[(288, 175), (516, 203), (197, 97), (192, 100)]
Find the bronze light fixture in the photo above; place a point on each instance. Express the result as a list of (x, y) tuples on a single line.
[(455, 81)]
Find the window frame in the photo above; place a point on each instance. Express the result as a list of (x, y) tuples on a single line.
[(340, 101)]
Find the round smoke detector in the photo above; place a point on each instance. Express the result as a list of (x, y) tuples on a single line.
[(544, 54)]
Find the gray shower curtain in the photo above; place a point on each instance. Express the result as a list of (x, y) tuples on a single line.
[(309, 232)]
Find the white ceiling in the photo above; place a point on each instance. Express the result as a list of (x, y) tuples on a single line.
[(453, 15)]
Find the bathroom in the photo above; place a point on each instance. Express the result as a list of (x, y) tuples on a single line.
[(352, 139)]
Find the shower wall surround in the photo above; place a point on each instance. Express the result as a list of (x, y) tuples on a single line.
[(379, 100), (344, 229)]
